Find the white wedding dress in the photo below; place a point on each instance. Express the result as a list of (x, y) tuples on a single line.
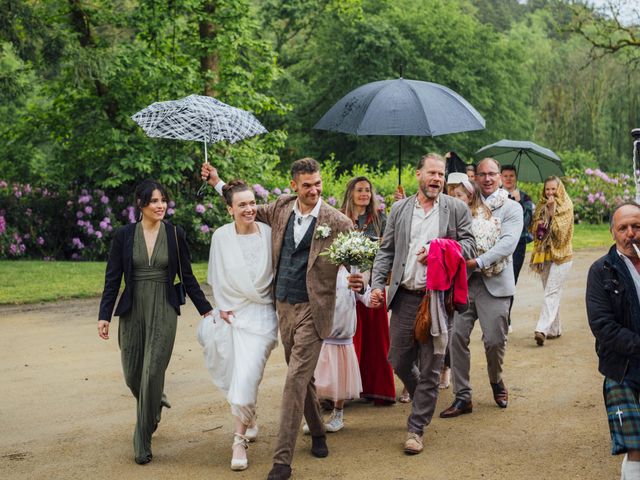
[(240, 274)]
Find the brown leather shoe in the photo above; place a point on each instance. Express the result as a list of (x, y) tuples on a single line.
[(500, 394), (280, 471), (539, 338), (457, 408)]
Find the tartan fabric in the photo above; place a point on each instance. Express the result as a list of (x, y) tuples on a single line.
[(291, 282), (623, 413), (197, 117)]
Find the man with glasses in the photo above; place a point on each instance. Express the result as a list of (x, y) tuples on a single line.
[(489, 296)]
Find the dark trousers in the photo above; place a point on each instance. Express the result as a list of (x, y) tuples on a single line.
[(406, 354)]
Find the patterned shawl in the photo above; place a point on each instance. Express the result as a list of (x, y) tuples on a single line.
[(553, 242)]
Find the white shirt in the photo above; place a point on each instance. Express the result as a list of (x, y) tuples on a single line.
[(632, 270), (424, 228), (301, 222)]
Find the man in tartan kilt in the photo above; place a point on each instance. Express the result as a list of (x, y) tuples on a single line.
[(613, 309)]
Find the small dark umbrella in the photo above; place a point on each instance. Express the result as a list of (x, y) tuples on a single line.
[(533, 162), (454, 163), (401, 107)]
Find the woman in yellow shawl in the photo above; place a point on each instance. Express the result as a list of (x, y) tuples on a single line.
[(552, 229)]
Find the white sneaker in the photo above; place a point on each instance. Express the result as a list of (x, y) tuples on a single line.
[(445, 378), (335, 422), (305, 429)]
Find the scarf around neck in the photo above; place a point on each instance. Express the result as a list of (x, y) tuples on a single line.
[(496, 199)]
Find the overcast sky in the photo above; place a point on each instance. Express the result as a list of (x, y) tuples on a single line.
[(628, 8)]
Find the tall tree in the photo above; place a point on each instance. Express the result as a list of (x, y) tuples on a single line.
[(431, 40), (116, 57)]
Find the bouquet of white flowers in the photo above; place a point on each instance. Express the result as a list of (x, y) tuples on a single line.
[(352, 248)]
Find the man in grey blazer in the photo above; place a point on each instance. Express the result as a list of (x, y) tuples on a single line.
[(489, 296), (412, 224)]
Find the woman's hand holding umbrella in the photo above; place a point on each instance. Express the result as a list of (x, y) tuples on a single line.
[(209, 174)]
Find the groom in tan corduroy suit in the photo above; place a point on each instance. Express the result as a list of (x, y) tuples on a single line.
[(302, 226)]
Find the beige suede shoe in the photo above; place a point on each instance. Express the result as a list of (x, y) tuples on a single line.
[(413, 444)]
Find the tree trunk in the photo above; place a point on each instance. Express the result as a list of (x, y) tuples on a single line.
[(209, 59), (82, 25)]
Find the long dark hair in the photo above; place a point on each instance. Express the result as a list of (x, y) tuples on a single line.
[(372, 210), (144, 191)]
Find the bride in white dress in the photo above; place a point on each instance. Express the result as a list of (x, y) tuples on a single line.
[(238, 340)]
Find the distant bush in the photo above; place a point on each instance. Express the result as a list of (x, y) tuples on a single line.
[(594, 193), (37, 222)]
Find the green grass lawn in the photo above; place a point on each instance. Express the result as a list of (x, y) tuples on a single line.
[(31, 281)]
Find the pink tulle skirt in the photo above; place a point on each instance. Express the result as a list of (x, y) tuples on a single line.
[(337, 374)]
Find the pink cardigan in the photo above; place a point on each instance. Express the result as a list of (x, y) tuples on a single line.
[(447, 268)]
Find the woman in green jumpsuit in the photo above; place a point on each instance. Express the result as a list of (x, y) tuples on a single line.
[(149, 254)]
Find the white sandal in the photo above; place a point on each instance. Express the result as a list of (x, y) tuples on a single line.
[(252, 433), (236, 463)]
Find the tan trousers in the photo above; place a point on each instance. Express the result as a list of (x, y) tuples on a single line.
[(493, 313), (301, 350)]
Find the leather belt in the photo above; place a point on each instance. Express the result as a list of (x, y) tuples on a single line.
[(418, 293)]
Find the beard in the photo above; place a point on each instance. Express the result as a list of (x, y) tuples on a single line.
[(429, 193)]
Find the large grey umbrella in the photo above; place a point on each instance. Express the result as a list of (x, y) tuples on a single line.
[(533, 162), (401, 107)]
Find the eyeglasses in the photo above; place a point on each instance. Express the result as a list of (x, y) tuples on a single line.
[(488, 174)]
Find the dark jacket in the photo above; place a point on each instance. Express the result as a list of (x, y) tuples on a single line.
[(613, 310), (120, 263), (527, 211)]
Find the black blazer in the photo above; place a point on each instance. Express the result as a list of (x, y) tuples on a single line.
[(120, 263)]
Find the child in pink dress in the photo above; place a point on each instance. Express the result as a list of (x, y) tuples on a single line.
[(337, 374)]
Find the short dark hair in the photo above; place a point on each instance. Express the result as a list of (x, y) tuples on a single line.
[(511, 168), (471, 166), (629, 203), (144, 191), (304, 165), (233, 187), (432, 155)]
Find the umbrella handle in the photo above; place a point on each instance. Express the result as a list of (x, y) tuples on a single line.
[(204, 184)]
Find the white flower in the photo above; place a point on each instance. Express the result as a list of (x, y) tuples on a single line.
[(323, 231), (352, 248)]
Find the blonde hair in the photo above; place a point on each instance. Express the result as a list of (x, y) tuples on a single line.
[(476, 205)]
